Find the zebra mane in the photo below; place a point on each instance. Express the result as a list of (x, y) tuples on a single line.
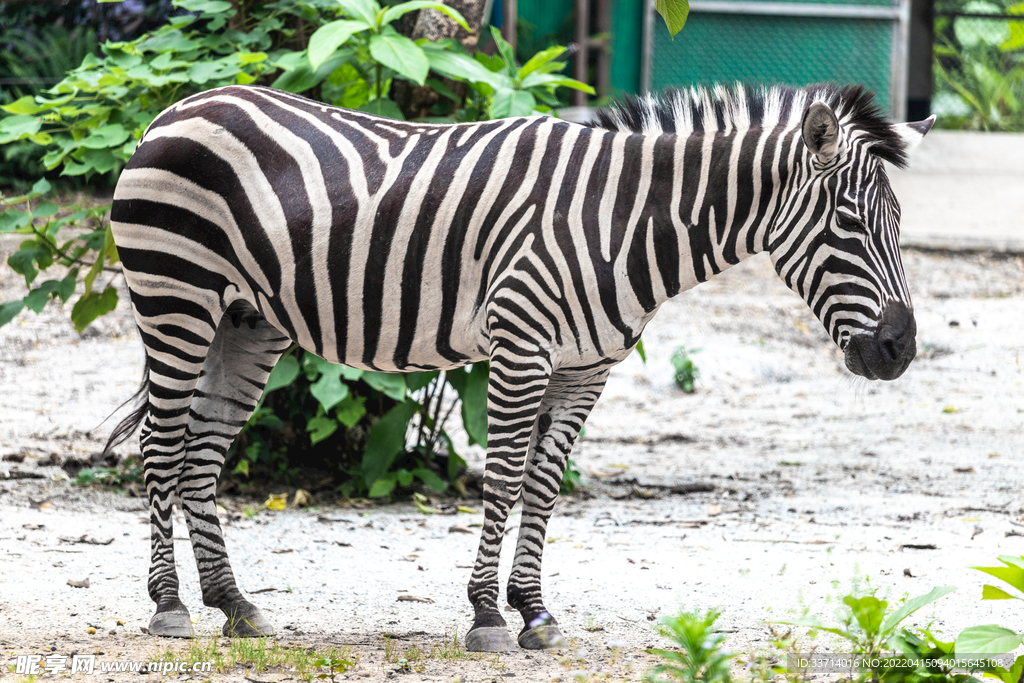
[(721, 108)]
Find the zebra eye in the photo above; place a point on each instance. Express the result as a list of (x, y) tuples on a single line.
[(850, 223)]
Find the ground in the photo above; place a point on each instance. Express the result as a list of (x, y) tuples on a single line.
[(815, 480)]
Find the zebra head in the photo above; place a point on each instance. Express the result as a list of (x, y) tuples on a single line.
[(835, 240)]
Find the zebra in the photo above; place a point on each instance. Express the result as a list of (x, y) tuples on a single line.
[(249, 219)]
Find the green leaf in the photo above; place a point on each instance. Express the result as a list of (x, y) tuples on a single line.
[(640, 351), (869, 611), (351, 410), (401, 54), (320, 428), (417, 380), (508, 102), (395, 11), (674, 12), (10, 309), (430, 479), (361, 9), (302, 77), (384, 485), (472, 389), (17, 127), (201, 72), (242, 467), (911, 606), (45, 210), (12, 219), (41, 187), (986, 640), (383, 107), (389, 384), (24, 105), (246, 58), (404, 477), (67, 286), (1011, 574), (330, 37), (463, 67), (540, 59), (1005, 559), (386, 440), (38, 298), (283, 374), (329, 389), (554, 80), (107, 136), (992, 593), (92, 306), (508, 57), (210, 6)]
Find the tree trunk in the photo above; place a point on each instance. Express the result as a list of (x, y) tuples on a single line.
[(434, 25)]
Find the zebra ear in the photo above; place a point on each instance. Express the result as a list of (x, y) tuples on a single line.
[(820, 130), (913, 132)]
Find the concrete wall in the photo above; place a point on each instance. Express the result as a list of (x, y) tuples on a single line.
[(964, 191)]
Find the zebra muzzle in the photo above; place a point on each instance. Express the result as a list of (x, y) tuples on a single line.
[(888, 352)]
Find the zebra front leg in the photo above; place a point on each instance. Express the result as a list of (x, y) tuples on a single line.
[(566, 406), (515, 390), (232, 381)]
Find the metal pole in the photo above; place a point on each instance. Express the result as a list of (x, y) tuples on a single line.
[(645, 57), (582, 52), (900, 61), (604, 56), (508, 22)]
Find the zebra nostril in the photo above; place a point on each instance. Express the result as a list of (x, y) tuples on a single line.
[(890, 345)]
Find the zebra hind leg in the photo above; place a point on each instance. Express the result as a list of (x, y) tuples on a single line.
[(515, 391), (567, 403), (243, 353)]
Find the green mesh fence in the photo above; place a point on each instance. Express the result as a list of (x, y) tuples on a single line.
[(724, 48)]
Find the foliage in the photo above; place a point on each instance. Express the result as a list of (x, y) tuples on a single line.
[(382, 431), (686, 371), (572, 480), (1012, 575), (674, 12), (127, 472), (699, 657), (979, 69)]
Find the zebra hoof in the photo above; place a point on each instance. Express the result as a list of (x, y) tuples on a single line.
[(543, 637), (489, 639), (254, 625), (171, 625)]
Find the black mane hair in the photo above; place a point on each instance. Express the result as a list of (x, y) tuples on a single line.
[(720, 108)]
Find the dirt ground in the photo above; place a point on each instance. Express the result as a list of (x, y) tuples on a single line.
[(815, 480)]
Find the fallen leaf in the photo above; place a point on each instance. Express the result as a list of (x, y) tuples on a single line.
[(459, 530), (964, 470), (282, 551), (86, 539), (714, 510), (303, 498), (277, 501), (90, 630), (414, 598), (343, 544), (120, 622), (41, 505), (919, 546), (421, 504), (83, 583), (463, 508), (33, 527), (950, 410)]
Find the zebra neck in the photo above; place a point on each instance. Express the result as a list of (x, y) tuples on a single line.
[(717, 204)]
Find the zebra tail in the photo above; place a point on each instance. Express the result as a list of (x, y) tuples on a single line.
[(126, 427)]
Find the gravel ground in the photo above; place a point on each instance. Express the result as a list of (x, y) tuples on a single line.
[(818, 479)]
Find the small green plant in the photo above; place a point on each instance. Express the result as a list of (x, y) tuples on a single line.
[(700, 656), (572, 480), (128, 472), (686, 371)]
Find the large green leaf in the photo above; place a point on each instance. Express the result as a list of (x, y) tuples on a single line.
[(401, 54), (382, 106), (361, 9), (330, 37), (303, 76), (992, 593), (508, 102), (9, 310), (92, 306), (320, 428), (386, 440), (472, 389), (384, 485), (986, 640), (674, 12), (395, 11), (911, 606), (17, 127), (540, 79), (1011, 574), (389, 384), (329, 390), (540, 59), (506, 53), (463, 67), (24, 105), (283, 374)]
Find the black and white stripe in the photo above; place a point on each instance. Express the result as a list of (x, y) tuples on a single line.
[(248, 219)]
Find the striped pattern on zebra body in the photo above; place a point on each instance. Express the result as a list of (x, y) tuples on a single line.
[(250, 218)]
